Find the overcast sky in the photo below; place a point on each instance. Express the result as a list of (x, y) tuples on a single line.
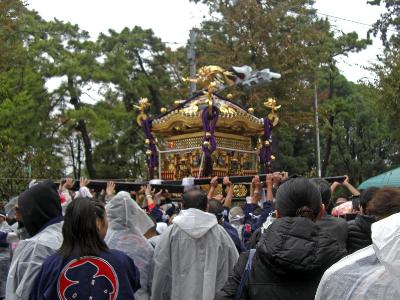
[(171, 20)]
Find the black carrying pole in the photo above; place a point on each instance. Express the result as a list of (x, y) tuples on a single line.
[(99, 185), (175, 186)]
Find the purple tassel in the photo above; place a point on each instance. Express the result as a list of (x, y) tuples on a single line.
[(152, 161), (266, 151), (209, 124)]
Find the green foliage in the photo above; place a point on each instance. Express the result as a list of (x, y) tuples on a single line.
[(388, 26), (361, 133), (28, 144), (288, 37), (48, 134), (116, 155), (388, 69)]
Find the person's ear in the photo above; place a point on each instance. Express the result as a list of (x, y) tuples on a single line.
[(99, 224), (321, 211), (278, 214)]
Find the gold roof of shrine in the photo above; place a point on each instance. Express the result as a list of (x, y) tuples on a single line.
[(232, 118)]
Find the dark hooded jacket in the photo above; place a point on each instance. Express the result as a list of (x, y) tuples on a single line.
[(39, 206), (337, 227), (359, 235), (290, 260), (41, 212)]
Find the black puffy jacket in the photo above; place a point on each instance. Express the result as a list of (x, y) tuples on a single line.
[(359, 235), (290, 260), (337, 227)]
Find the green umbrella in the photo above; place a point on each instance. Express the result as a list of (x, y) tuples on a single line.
[(390, 178)]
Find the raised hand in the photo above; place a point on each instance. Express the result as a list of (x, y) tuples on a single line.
[(226, 181), (214, 182), (110, 190), (83, 182)]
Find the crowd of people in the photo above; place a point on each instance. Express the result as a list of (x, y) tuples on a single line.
[(290, 240)]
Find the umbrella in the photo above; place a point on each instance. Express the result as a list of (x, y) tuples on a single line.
[(390, 178)]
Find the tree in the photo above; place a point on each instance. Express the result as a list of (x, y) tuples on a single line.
[(135, 62), (388, 70), (28, 144), (64, 50), (115, 155), (288, 37), (388, 26), (360, 132)]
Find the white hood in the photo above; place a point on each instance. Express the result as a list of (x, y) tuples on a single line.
[(370, 273), (125, 214), (386, 244), (195, 222)]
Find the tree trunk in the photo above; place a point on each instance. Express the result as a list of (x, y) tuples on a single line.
[(88, 148), (81, 127), (79, 159), (331, 120), (328, 149), (71, 148)]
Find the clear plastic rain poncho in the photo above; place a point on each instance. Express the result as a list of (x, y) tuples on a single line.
[(370, 273), (5, 259), (193, 258), (127, 224), (28, 259)]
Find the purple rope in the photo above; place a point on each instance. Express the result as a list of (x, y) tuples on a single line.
[(153, 158), (209, 124), (266, 151)]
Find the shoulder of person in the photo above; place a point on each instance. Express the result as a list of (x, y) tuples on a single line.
[(115, 255), (353, 226), (32, 248)]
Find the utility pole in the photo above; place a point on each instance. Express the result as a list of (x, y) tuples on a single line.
[(191, 55), (317, 128)]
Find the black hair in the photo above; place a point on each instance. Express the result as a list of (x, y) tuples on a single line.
[(195, 198), (355, 202), (366, 196), (298, 197), (216, 208), (81, 236), (325, 190)]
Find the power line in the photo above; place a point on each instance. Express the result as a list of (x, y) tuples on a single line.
[(344, 19), (182, 43), (352, 21)]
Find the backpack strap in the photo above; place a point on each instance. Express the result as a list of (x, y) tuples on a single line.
[(246, 274)]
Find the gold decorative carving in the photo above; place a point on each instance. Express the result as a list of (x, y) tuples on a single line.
[(211, 76), (239, 190), (273, 116), (144, 105), (246, 124)]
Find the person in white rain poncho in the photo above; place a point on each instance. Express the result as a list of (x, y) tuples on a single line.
[(40, 210), (5, 254), (372, 272), (127, 223), (194, 256)]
